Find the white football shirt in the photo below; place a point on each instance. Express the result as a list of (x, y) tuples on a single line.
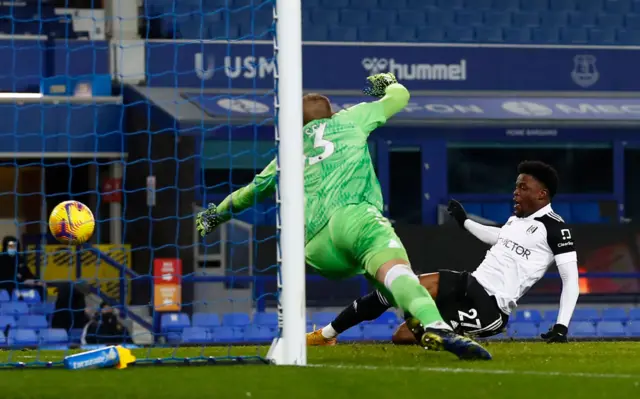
[(521, 254)]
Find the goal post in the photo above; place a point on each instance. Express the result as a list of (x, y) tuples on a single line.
[(290, 347)]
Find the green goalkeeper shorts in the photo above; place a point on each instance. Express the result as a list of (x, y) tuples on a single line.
[(356, 240)]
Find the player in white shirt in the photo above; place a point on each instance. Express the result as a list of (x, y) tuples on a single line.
[(479, 303)]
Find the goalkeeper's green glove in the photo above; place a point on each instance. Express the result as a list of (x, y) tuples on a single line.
[(208, 220), (377, 84)]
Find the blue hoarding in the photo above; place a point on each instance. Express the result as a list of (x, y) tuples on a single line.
[(330, 66)]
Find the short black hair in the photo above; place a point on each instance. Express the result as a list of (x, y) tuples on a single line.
[(543, 173)]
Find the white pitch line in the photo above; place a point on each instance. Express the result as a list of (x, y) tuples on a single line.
[(479, 371)]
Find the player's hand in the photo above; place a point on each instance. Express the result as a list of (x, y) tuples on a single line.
[(456, 210), (377, 84), (208, 220), (556, 334)]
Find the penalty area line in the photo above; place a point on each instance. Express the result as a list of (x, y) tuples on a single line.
[(460, 370)]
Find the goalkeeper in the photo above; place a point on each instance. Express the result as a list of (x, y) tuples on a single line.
[(346, 234)]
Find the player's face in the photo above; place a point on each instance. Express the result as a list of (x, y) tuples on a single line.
[(526, 196)]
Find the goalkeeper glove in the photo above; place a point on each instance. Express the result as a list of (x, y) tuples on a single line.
[(377, 84), (208, 220), (456, 210), (556, 334)]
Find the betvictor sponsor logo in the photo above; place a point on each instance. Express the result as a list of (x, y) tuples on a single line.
[(417, 71)]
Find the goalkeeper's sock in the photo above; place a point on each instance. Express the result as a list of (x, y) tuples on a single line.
[(368, 307), (412, 297)]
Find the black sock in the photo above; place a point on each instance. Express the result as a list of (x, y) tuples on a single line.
[(369, 307)]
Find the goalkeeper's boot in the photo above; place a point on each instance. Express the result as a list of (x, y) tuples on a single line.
[(463, 347), (316, 338)]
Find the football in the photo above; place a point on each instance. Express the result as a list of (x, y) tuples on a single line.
[(71, 222)]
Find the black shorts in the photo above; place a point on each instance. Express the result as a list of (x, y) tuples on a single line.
[(467, 307)]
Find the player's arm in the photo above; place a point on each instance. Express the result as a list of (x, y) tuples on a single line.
[(560, 242), (487, 234), (262, 187)]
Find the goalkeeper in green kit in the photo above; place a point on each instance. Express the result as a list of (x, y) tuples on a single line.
[(346, 234)]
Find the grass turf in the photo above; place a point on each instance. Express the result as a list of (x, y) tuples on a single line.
[(522, 370)]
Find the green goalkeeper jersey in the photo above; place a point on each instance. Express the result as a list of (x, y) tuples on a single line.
[(338, 168)]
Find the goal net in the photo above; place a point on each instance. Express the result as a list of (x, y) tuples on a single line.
[(147, 112)]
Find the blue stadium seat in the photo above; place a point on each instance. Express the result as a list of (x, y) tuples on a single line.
[(459, 34), (497, 18), (634, 314), (522, 330), (54, 336), (468, 18), (314, 33), (305, 4), (487, 34), (629, 37), (195, 335), (473, 208), (517, 35), (372, 34), (499, 212), (582, 19), (321, 319), (412, 18), (226, 335), (354, 17), (337, 4), (615, 314), (526, 19), (392, 4), (236, 319), (4, 296), (478, 4), (363, 4), (439, 18), (257, 334), (610, 329), (582, 329), (585, 212), (401, 34), (32, 322), (382, 18), (7, 321), (343, 34), (377, 332), (205, 320), (550, 315), (388, 318), (20, 337), (545, 35), (450, 4), (551, 19), (14, 308), (174, 322), (563, 209), (527, 315), (506, 5), (75, 335), (610, 20), (44, 308), (632, 21), (220, 31), (433, 35), (534, 5), (544, 326), (562, 5), (26, 295), (325, 17), (574, 36), (266, 319), (633, 329), (617, 6), (590, 5), (420, 4), (586, 314), (352, 334), (602, 36)]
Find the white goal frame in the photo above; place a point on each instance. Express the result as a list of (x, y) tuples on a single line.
[(290, 348)]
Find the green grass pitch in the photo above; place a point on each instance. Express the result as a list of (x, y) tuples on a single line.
[(519, 370)]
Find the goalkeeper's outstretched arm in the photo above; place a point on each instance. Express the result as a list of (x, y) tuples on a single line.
[(396, 97)]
